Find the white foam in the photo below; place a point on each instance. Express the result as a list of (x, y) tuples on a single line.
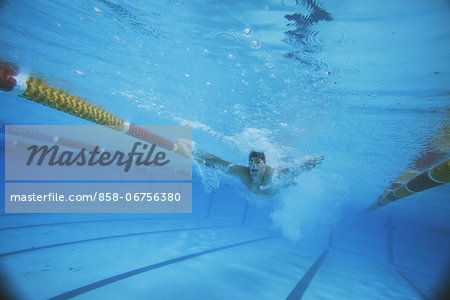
[(313, 203), (258, 140), (210, 177), (21, 83)]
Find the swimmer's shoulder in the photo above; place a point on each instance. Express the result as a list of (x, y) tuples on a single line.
[(237, 170), (242, 172)]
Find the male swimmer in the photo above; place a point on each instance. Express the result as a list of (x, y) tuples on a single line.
[(258, 177)]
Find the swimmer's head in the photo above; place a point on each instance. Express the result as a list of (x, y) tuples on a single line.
[(257, 163), (259, 155)]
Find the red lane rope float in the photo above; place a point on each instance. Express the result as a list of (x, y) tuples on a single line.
[(15, 146), (7, 73), (147, 136), (30, 134), (57, 140)]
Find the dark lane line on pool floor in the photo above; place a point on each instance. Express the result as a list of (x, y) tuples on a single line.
[(302, 285), (438, 230), (90, 221), (104, 238), (109, 280), (412, 285)]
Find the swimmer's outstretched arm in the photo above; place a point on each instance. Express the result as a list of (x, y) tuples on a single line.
[(306, 163), (313, 161), (215, 162), (202, 157), (210, 160)]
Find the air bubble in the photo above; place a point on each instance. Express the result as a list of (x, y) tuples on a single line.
[(255, 45), (227, 39)]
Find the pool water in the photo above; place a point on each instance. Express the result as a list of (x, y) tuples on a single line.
[(364, 84)]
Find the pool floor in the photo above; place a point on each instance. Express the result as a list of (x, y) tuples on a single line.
[(184, 257)]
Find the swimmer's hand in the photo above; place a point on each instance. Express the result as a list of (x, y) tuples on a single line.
[(313, 161), (300, 165), (184, 147), (207, 159)]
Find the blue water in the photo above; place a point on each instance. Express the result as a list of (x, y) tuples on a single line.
[(364, 84)]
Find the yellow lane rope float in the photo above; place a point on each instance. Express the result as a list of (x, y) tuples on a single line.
[(38, 91), (435, 150), (434, 177)]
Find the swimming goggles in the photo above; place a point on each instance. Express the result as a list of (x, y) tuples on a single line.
[(255, 161)]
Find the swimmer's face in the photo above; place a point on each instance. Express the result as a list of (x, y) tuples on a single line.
[(256, 166)]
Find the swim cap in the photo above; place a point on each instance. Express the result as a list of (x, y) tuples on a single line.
[(260, 155)]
